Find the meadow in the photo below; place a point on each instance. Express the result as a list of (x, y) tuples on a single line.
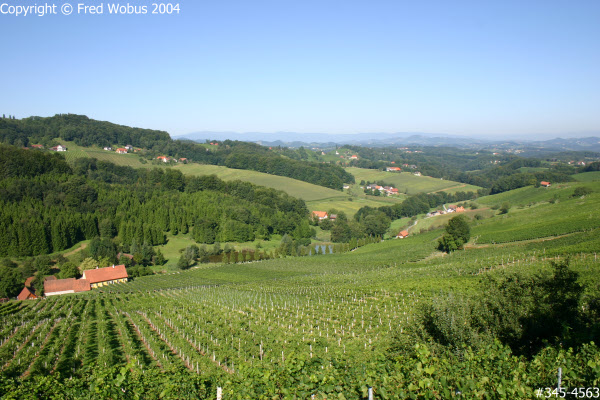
[(408, 183)]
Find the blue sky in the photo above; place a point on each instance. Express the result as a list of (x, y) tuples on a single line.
[(485, 68)]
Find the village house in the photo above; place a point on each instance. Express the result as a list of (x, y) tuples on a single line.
[(417, 174), (354, 157), (105, 276), (333, 217), (393, 169), (27, 294), (37, 146), (129, 147), (545, 184), (163, 159), (402, 234), (121, 150), (321, 215), (183, 160), (58, 287), (59, 148), (107, 148)]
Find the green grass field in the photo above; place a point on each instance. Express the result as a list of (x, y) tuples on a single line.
[(406, 182), (129, 160), (295, 188), (592, 176)]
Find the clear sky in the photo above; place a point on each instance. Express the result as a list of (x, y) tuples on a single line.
[(486, 68)]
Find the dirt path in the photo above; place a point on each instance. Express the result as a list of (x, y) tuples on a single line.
[(77, 250)]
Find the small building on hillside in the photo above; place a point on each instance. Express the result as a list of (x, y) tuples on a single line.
[(37, 146), (57, 287), (106, 276), (108, 148), (121, 150), (129, 147), (545, 184), (183, 160), (394, 169), (27, 294), (402, 234), (59, 148), (321, 215), (163, 159)]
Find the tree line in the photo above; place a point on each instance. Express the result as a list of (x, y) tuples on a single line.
[(54, 208), (234, 154)]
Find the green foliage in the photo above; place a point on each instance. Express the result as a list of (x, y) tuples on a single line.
[(504, 208), (581, 191), (457, 234), (11, 282), (69, 270)]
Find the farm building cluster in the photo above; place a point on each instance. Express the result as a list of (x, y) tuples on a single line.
[(447, 210), (388, 190), (91, 279), (321, 215)]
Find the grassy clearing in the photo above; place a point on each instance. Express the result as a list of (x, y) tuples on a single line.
[(295, 188), (408, 183), (348, 207), (129, 160), (592, 176)]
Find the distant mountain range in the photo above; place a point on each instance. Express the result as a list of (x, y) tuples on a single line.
[(325, 140)]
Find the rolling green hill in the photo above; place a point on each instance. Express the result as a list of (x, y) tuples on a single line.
[(406, 182), (316, 197)]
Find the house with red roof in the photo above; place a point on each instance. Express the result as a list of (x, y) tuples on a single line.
[(402, 234), (394, 169), (121, 150), (57, 287), (545, 184), (106, 276), (321, 215), (60, 147), (37, 146), (163, 158), (27, 294)]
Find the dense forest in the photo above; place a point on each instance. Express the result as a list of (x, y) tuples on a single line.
[(88, 132), (48, 206)]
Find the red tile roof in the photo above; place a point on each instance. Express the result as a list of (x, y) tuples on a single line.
[(105, 274), (59, 285), (66, 285), (26, 294), (81, 285), (544, 183), (29, 280), (403, 234), (320, 214)]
